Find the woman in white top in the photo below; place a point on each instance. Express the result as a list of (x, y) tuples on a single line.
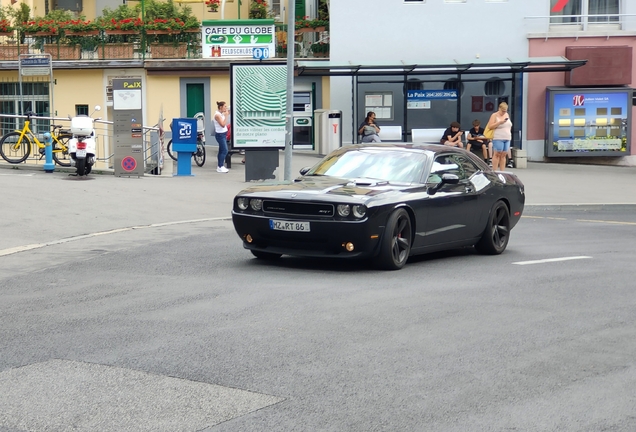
[(501, 125), (220, 133)]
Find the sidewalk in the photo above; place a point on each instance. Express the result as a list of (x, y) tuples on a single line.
[(41, 207)]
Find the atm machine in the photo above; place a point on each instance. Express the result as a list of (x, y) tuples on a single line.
[(303, 135)]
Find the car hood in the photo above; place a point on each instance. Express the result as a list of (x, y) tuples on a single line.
[(312, 187)]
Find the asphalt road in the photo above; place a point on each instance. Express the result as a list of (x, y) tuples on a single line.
[(541, 338)]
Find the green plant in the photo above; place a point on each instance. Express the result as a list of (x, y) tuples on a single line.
[(320, 48), (155, 9), (213, 5), (40, 25), (258, 9), (307, 23), (123, 24), (120, 13), (80, 25), (5, 26)]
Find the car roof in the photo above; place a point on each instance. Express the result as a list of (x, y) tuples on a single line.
[(427, 148)]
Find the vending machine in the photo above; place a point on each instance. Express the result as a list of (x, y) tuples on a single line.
[(303, 137)]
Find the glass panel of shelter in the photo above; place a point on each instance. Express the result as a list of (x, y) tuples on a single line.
[(479, 95)]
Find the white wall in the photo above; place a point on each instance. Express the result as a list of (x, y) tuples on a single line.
[(381, 31)]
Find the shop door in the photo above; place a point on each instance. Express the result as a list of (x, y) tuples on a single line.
[(194, 99)]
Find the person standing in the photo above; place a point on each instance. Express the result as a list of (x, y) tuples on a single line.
[(369, 129), (220, 133), (501, 125)]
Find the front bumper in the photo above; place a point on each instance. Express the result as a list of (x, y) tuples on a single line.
[(326, 238)]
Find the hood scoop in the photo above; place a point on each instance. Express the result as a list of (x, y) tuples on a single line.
[(367, 182)]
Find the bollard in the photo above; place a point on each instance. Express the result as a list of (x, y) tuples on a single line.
[(49, 166)]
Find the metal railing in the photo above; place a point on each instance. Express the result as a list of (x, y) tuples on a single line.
[(589, 22), (104, 138)]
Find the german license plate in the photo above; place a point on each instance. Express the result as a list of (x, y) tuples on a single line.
[(280, 225), (80, 153)]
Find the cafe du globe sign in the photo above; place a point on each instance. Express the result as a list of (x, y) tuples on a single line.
[(237, 39)]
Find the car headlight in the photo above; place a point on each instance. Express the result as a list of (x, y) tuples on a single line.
[(256, 204), (344, 210), (243, 203), (359, 211)]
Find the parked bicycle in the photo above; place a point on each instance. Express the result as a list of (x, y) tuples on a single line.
[(199, 155), (15, 147)]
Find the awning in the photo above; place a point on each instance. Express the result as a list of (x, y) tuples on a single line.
[(451, 67)]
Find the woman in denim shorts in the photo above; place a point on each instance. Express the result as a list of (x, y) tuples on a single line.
[(500, 123)]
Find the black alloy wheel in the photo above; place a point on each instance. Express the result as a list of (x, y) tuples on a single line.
[(396, 241), (497, 233)]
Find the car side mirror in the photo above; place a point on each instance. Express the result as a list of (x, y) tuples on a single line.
[(446, 178), (304, 170)]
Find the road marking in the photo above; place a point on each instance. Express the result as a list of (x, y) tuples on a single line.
[(549, 260), (607, 222), (17, 249)]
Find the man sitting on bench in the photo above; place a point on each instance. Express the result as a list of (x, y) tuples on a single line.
[(453, 136), (476, 138)]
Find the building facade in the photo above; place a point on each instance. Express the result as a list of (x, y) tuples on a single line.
[(473, 32)]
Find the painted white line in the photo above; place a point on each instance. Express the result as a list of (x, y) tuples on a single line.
[(17, 249), (551, 260)]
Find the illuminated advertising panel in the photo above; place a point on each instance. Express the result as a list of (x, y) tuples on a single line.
[(588, 122)]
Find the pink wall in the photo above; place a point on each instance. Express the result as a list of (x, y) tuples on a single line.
[(537, 82)]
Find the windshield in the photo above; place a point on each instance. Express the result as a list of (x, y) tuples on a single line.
[(396, 166)]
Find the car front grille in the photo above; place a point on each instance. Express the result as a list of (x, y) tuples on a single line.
[(298, 208)]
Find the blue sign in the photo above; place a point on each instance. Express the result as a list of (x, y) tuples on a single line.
[(184, 131), (260, 53), (38, 61), (415, 95)]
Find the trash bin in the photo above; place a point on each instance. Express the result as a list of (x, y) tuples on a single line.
[(327, 130)]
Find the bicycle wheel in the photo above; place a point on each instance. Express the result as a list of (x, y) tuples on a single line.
[(199, 155), (60, 151), (14, 150), (172, 155)]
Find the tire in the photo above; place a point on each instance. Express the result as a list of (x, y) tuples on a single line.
[(60, 151), (396, 241), (8, 149), (497, 233), (87, 169), (80, 164), (173, 156), (199, 155), (265, 255)]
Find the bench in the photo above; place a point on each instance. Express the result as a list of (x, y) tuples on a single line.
[(430, 136), (390, 133)]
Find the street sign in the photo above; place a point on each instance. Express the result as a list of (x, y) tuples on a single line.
[(35, 65), (260, 53)]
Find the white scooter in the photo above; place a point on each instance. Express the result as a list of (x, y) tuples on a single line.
[(82, 146)]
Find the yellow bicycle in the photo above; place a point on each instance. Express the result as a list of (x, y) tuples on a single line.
[(15, 147)]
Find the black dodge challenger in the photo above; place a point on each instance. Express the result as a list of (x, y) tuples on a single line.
[(383, 202)]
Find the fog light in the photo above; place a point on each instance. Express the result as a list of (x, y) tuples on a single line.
[(349, 246), (249, 239)]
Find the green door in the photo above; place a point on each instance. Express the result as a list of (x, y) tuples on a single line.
[(300, 9), (194, 99)]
